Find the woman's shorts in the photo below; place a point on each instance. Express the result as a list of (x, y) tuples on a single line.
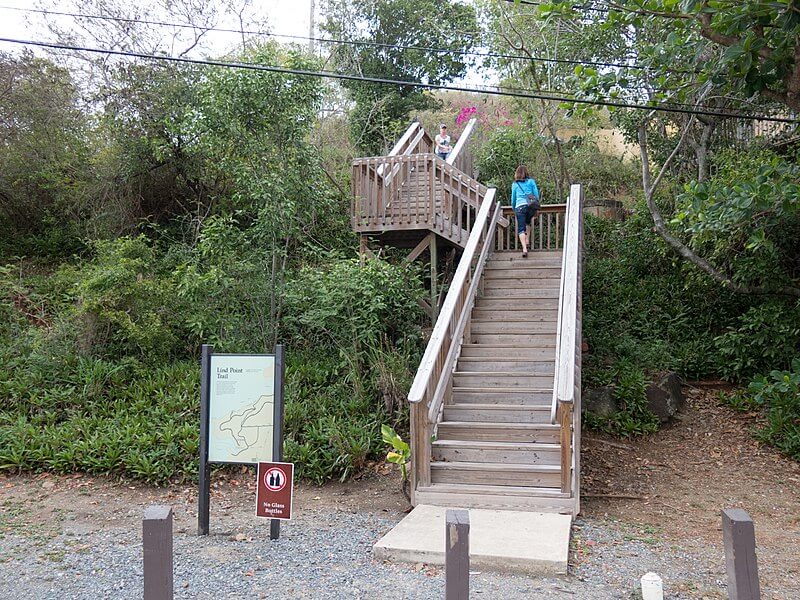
[(523, 216)]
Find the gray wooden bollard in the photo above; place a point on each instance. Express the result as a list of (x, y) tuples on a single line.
[(739, 537), (157, 542), (456, 560)]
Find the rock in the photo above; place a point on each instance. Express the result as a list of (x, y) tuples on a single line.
[(600, 401), (665, 397)]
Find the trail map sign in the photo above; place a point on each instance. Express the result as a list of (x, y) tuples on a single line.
[(274, 490), (241, 408), (241, 418)]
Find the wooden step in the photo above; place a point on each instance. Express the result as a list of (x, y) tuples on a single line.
[(551, 276), (523, 293), (538, 499), (502, 326), (504, 379), (505, 396), (508, 314), (530, 264), (516, 340), (497, 413), (524, 284), (499, 432), (472, 473), (506, 303), (533, 255), (514, 453), (531, 367), (492, 351)]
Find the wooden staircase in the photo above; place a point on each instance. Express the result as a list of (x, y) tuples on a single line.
[(495, 404), (495, 445)]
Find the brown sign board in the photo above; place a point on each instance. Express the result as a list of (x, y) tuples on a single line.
[(274, 490)]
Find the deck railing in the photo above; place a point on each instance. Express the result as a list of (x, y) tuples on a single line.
[(434, 376), (565, 408), (547, 229), (422, 192)]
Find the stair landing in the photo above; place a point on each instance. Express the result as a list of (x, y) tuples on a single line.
[(499, 540)]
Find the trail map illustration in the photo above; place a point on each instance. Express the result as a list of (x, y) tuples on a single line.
[(242, 396)]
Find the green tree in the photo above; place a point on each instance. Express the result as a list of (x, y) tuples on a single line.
[(375, 28), (44, 146)]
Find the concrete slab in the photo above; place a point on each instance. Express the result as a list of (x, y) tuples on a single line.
[(499, 540)]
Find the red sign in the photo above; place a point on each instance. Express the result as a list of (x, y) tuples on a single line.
[(274, 490)]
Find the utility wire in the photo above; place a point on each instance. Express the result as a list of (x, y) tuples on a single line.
[(379, 80), (323, 40)]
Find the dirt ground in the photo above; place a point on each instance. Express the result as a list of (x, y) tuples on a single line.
[(677, 482), (670, 487)]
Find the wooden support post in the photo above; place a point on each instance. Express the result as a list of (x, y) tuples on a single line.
[(157, 543), (565, 421), (739, 537), (434, 276), (363, 248), (456, 562)]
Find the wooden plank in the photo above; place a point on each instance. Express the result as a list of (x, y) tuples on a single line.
[(496, 378), (524, 293), (482, 364), (495, 474), (456, 555), (512, 340), (501, 326), (510, 304), (497, 413), (739, 538), (541, 502), (483, 396), (525, 314), (498, 432), (419, 249), (565, 424), (496, 452)]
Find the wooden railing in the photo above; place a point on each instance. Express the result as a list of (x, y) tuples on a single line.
[(413, 141), (434, 376), (547, 229), (461, 156), (423, 192), (565, 409)]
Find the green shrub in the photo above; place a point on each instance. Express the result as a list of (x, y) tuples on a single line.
[(633, 418), (778, 396), (764, 337)]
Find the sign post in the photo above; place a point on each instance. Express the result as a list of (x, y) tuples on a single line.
[(241, 415), (204, 471), (277, 438)]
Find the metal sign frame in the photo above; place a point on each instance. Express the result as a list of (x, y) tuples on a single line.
[(277, 431)]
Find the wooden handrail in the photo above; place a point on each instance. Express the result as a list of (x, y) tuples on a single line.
[(462, 141), (453, 303), (464, 317), (566, 385)]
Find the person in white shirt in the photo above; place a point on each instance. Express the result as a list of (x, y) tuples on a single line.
[(443, 148)]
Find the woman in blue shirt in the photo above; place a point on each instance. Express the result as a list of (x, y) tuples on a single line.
[(523, 187)]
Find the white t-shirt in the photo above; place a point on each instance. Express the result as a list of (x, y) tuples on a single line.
[(442, 143)]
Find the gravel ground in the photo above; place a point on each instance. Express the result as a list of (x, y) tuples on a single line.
[(325, 553)]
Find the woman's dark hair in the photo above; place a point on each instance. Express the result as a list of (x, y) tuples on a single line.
[(521, 174)]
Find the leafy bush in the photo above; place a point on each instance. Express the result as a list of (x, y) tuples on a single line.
[(763, 337), (778, 396), (633, 418)]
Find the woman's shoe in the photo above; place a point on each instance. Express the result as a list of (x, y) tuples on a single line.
[(524, 254)]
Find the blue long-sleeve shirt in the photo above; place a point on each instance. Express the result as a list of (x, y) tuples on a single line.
[(520, 191)]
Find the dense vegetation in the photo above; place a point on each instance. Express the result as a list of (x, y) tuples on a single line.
[(194, 210), (148, 208)]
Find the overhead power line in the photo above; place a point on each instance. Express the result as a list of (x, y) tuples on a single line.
[(335, 41), (380, 80)]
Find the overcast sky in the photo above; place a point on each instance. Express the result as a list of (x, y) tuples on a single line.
[(286, 17)]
